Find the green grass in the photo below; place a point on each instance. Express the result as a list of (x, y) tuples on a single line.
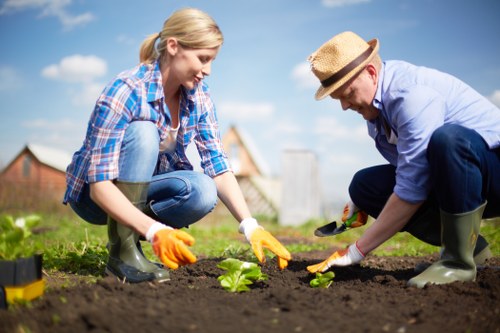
[(74, 246)]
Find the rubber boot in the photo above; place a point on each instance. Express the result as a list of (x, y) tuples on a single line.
[(125, 260), (459, 236), (482, 252), (424, 228)]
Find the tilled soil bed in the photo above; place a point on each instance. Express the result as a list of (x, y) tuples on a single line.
[(372, 297)]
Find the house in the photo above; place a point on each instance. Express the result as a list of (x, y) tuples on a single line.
[(261, 191), (36, 174)]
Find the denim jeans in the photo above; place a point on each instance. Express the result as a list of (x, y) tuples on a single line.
[(464, 174), (178, 198)]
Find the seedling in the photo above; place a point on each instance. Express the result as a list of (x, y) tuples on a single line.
[(322, 280), (15, 241), (239, 275)]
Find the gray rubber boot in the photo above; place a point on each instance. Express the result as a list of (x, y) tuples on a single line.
[(126, 260), (459, 236), (482, 252)]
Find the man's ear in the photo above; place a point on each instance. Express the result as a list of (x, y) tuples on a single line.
[(373, 72), (172, 46)]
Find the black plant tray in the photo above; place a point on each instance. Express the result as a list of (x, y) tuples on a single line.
[(21, 271)]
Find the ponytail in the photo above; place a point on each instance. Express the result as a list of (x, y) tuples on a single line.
[(148, 52)]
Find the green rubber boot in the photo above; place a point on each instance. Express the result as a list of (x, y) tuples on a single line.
[(126, 260), (459, 236)]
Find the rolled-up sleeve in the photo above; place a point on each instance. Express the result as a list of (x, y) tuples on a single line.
[(110, 119)]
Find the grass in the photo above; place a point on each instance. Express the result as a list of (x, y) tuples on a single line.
[(74, 246)]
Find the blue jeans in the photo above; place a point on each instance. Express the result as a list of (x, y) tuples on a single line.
[(178, 198), (464, 174)]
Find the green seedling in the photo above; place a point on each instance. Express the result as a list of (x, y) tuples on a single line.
[(322, 280), (15, 237), (239, 275)]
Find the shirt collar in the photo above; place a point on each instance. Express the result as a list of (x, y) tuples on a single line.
[(377, 100), (155, 87)]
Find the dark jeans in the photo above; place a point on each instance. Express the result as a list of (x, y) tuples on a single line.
[(464, 174)]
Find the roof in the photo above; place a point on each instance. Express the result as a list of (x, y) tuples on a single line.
[(55, 158), (252, 150)]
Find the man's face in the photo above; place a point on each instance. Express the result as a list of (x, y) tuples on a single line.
[(358, 93)]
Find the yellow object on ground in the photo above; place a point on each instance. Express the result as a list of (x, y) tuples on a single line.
[(27, 292)]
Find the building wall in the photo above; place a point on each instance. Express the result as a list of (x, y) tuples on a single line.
[(301, 195), (27, 176)]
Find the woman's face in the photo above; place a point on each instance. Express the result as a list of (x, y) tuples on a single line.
[(190, 66)]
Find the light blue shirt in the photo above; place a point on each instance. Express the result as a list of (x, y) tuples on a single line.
[(414, 101)]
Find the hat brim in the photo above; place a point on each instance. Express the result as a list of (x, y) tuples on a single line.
[(326, 91)]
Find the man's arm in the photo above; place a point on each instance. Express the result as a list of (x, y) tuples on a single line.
[(393, 218)]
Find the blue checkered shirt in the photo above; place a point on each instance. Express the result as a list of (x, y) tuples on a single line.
[(134, 95)]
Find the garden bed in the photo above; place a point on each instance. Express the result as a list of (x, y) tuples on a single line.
[(368, 298)]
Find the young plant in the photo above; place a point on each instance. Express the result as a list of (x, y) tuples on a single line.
[(322, 280), (239, 275), (15, 241)]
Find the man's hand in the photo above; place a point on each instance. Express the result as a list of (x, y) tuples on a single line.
[(361, 217), (170, 245), (345, 257), (260, 239)]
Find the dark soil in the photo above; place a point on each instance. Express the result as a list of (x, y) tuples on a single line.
[(373, 297)]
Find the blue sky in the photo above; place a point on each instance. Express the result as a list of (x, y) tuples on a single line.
[(57, 55)]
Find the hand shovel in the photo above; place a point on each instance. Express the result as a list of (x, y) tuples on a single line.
[(330, 229)]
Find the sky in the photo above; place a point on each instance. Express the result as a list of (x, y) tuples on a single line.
[(57, 55)]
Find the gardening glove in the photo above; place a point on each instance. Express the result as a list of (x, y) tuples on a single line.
[(170, 245), (260, 238), (351, 210), (345, 257)]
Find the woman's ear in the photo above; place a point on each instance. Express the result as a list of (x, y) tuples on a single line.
[(172, 46)]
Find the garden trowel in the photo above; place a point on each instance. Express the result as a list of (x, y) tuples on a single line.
[(330, 229)]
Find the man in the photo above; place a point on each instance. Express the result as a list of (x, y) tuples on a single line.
[(442, 140)]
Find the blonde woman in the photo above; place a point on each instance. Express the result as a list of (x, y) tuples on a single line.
[(132, 173)]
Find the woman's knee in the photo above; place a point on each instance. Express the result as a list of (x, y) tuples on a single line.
[(139, 151), (204, 193)]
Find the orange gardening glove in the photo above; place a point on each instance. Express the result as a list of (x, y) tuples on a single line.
[(260, 239), (170, 245), (345, 257), (353, 217)]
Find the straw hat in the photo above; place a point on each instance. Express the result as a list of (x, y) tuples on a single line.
[(340, 59)]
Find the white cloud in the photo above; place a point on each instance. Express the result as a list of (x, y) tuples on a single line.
[(246, 111), (56, 8), (342, 3), (76, 68), (87, 95), (9, 79), (50, 125), (330, 127), (125, 40), (303, 76), (495, 98), (65, 134)]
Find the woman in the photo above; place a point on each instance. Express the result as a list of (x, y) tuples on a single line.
[(132, 172)]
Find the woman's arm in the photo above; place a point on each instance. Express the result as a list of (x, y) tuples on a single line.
[(107, 196), (231, 196)]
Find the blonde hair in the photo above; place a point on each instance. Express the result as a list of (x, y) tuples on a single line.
[(191, 27)]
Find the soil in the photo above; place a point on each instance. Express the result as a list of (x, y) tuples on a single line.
[(372, 297)]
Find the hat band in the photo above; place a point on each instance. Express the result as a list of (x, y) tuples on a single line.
[(348, 68)]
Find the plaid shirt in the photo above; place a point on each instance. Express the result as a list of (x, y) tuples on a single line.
[(134, 95)]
